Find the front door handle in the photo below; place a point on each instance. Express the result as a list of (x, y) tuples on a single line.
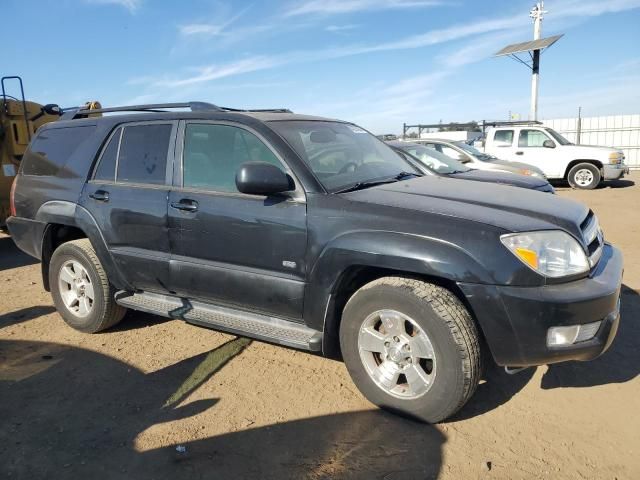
[(520, 152), (186, 205), (100, 195)]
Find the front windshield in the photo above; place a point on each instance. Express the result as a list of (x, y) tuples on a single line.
[(559, 138), (342, 155), (475, 152), (435, 160)]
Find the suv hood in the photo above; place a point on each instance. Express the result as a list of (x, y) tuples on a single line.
[(510, 208), (514, 179)]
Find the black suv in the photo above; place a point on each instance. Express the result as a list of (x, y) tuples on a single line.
[(312, 233)]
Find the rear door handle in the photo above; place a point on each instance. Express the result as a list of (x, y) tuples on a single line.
[(100, 195), (186, 205), (520, 153)]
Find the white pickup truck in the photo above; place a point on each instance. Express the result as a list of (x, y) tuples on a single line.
[(582, 166)]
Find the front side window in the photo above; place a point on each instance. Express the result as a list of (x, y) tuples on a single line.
[(143, 154), (531, 138), (214, 153), (503, 138), (342, 155)]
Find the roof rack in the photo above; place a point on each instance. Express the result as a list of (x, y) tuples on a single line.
[(82, 112)]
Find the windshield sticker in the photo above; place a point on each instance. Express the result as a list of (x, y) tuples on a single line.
[(355, 129)]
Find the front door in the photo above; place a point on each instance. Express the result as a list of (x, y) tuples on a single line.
[(229, 248), (127, 196), (530, 150)]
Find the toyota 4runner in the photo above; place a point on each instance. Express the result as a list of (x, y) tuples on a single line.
[(311, 233)]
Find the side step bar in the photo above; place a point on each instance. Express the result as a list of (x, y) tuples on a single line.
[(262, 327)]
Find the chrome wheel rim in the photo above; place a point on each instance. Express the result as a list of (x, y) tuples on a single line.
[(583, 177), (76, 289), (397, 354)]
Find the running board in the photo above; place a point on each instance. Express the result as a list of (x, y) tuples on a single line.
[(239, 322)]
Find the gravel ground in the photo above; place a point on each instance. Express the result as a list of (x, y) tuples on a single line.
[(126, 403)]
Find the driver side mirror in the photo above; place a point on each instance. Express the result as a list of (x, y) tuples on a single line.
[(548, 144), (463, 158), (262, 178)]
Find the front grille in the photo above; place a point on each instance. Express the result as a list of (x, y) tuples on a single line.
[(593, 237)]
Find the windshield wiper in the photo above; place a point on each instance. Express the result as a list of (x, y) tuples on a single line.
[(373, 183)]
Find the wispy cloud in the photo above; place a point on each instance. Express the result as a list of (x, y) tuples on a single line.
[(333, 7), (131, 5), (495, 30), (341, 28), (211, 29)]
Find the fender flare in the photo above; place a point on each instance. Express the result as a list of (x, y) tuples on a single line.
[(406, 253), (73, 215)]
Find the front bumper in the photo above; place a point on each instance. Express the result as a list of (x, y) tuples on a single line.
[(614, 172), (515, 320)]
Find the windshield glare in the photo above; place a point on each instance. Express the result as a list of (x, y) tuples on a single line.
[(342, 154), (435, 160), (559, 138)]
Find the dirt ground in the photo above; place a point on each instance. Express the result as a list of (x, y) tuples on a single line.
[(122, 403)]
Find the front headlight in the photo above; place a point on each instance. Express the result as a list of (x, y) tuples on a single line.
[(525, 171), (551, 253), (615, 158)]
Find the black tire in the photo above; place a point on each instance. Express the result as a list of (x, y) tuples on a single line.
[(575, 177), (450, 328), (105, 312)]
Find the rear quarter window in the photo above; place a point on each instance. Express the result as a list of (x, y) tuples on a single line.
[(52, 148)]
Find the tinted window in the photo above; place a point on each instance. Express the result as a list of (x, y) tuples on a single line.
[(213, 154), (531, 138), (143, 154), (51, 149), (106, 169), (503, 138)]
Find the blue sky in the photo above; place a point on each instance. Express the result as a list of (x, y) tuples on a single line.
[(378, 63)]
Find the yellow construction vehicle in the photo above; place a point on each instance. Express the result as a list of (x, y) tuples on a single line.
[(19, 120)]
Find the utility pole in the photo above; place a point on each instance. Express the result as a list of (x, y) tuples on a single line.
[(536, 13)]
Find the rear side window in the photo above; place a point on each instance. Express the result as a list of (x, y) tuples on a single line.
[(143, 154), (503, 138), (106, 169), (52, 148)]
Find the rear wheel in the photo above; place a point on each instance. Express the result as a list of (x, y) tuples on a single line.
[(80, 288), (585, 176), (411, 346)]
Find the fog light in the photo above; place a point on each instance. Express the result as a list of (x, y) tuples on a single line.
[(563, 336)]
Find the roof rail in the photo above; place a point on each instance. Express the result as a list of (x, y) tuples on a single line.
[(82, 112)]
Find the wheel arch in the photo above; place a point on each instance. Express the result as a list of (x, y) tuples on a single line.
[(343, 268), (573, 163), (65, 222)]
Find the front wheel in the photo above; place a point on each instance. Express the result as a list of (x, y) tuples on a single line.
[(411, 347), (584, 176)]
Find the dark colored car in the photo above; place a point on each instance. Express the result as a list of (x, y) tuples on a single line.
[(312, 233), (439, 163)]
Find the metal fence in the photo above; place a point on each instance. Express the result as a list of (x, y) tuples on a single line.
[(620, 131)]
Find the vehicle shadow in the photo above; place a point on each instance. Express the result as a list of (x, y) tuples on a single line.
[(621, 183), (621, 363), (24, 315), (11, 256), (134, 320), (496, 389), (67, 412)]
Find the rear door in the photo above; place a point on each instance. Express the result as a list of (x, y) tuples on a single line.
[(127, 196), (502, 145), (229, 248)]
